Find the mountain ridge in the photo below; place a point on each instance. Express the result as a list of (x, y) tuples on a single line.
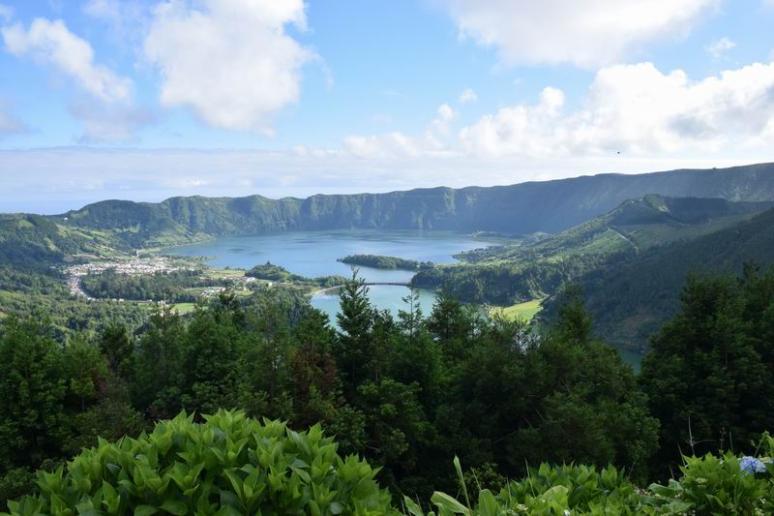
[(519, 209)]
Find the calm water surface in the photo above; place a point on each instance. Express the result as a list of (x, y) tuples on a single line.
[(314, 253)]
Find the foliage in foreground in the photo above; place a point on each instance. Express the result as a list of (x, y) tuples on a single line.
[(232, 464), (229, 465), (717, 485), (405, 393)]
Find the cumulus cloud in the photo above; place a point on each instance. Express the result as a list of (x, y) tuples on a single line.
[(108, 111), (434, 140), (231, 61), (719, 48), (439, 127), (468, 96), (637, 109), (587, 34), (52, 43)]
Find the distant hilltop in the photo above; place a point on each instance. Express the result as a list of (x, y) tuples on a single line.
[(520, 209)]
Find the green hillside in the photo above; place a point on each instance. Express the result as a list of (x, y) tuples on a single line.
[(521, 209), (31, 241), (634, 226), (630, 300), (520, 272)]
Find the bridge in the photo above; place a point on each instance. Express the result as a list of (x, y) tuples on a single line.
[(367, 284)]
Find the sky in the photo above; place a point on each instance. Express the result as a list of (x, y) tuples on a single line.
[(147, 99)]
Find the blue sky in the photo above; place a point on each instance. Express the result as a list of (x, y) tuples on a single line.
[(148, 99)]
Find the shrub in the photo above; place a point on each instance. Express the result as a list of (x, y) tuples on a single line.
[(724, 485), (230, 464), (721, 485), (713, 485), (546, 490)]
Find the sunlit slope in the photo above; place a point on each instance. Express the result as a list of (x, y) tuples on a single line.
[(521, 272)]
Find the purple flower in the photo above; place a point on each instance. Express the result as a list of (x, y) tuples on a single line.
[(752, 465)]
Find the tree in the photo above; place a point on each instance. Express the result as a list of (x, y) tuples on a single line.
[(450, 323), (117, 347), (158, 368), (265, 361), (33, 388), (574, 322), (210, 360), (411, 319), (354, 347), (709, 374)]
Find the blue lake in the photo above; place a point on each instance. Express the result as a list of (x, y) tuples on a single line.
[(315, 253)]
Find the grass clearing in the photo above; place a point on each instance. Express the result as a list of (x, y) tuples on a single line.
[(184, 308), (520, 311), (220, 274)]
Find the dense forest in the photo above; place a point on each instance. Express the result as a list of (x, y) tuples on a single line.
[(172, 286), (407, 394)]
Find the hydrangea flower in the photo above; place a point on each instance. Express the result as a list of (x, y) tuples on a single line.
[(752, 465)]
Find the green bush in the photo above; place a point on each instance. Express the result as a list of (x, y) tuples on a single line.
[(709, 485), (551, 490), (230, 464), (714, 485)]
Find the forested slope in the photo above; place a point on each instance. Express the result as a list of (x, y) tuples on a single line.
[(523, 271), (630, 300), (525, 208)]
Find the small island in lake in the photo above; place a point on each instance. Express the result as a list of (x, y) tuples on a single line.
[(385, 262), (279, 274)]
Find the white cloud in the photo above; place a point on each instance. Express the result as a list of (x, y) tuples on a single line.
[(525, 130), (468, 96), (445, 115), (52, 43), (637, 109), (587, 34), (434, 140), (718, 49), (230, 61), (394, 144)]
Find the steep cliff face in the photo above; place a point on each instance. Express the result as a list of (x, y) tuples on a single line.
[(549, 206)]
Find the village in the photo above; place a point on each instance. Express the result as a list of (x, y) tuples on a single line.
[(148, 267)]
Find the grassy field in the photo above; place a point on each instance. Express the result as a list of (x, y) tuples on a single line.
[(521, 311), (224, 274), (184, 308)]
